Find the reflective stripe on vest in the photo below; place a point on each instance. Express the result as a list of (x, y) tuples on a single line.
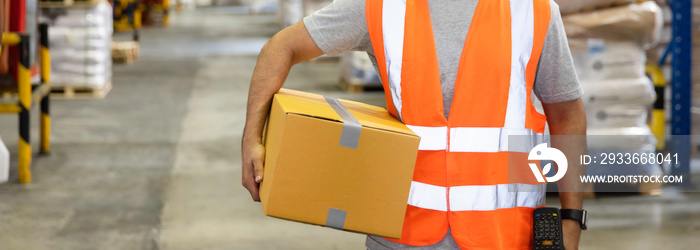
[(461, 175), (474, 139), (393, 48), (475, 198)]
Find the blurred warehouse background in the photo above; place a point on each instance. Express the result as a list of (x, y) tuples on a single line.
[(139, 145)]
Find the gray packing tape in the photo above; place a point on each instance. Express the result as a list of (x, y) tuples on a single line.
[(336, 218), (350, 136)]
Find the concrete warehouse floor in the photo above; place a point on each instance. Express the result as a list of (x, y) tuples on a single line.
[(156, 164)]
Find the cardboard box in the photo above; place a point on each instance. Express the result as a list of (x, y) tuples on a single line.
[(310, 177)]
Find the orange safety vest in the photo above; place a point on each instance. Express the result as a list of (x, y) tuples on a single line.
[(461, 176)]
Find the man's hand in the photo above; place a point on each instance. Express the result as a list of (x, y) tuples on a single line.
[(288, 47), (572, 233), (253, 154)]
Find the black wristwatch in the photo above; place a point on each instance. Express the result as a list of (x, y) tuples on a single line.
[(580, 216)]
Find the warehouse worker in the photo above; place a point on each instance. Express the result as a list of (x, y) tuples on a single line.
[(460, 74)]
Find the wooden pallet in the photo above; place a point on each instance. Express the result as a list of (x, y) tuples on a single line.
[(351, 87), (69, 4), (126, 52), (80, 92)]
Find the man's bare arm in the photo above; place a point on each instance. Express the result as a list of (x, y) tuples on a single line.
[(288, 47), (564, 119)]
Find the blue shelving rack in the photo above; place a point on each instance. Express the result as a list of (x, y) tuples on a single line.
[(681, 48)]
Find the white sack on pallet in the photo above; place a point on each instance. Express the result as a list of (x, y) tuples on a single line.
[(618, 103), (623, 138), (88, 38), (80, 45), (635, 22), (357, 68), (89, 57), (78, 17), (597, 59), (93, 69), (614, 116), (71, 34), (81, 80), (638, 92), (572, 6)]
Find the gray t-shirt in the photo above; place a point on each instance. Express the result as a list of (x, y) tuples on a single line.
[(342, 26)]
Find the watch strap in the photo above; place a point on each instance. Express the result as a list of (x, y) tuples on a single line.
[(579, 216)]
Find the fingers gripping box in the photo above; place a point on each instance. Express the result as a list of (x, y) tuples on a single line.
[(337, 163)]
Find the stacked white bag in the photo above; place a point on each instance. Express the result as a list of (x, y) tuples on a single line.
[(618, 97), (617, 91), (79, 40)]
